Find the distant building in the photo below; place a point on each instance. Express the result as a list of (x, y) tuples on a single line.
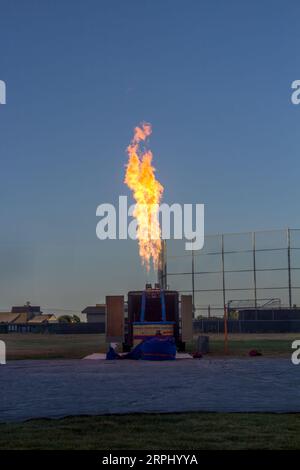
[(30, 310), (95, 314), (26, 314)]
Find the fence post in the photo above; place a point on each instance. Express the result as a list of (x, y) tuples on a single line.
[(224, 300), (289, 266), (162, 269), (254, 268), (193, 282)]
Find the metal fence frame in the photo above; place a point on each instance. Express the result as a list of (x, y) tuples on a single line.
[(165, 274)]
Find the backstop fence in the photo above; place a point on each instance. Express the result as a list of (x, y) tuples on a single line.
[(239, 270)]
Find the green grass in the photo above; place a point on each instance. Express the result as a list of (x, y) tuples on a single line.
[(187, 431), (47, 346), (241, 347), (51, 346)]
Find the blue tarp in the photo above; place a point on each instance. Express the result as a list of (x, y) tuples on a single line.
[(152, 349)]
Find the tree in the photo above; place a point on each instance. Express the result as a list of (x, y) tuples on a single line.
[(69, 319)]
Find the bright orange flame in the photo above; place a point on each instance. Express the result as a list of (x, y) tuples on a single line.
[(147, 192)]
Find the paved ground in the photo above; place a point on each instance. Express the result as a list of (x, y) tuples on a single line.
[(56, 388)]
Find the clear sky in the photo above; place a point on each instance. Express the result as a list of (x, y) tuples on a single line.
[(212, 77)]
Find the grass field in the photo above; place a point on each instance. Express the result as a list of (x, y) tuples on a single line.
[(153, 432), (47, 346)]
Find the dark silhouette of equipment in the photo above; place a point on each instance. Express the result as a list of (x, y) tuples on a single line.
[(153, 312)]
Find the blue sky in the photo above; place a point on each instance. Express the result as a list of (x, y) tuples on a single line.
[(214, 80)]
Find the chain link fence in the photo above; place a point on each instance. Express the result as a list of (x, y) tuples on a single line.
[(241, 270)]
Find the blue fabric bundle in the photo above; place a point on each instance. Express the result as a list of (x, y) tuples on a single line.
[(112, 354), (158, 349)]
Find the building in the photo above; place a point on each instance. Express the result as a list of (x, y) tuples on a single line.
[(261, 314), (95, 314), (30, 310), (26, 314)]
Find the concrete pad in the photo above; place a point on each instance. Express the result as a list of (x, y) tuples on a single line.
[(102, 356), (183, 355), (56, 388), (96, 357)]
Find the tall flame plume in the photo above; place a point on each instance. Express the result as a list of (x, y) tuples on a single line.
[(147, 193)]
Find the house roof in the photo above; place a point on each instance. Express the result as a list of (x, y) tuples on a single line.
[(8, 317), (26, 308), (42, 318), (21, 317), (98, 309), (18, 318)]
